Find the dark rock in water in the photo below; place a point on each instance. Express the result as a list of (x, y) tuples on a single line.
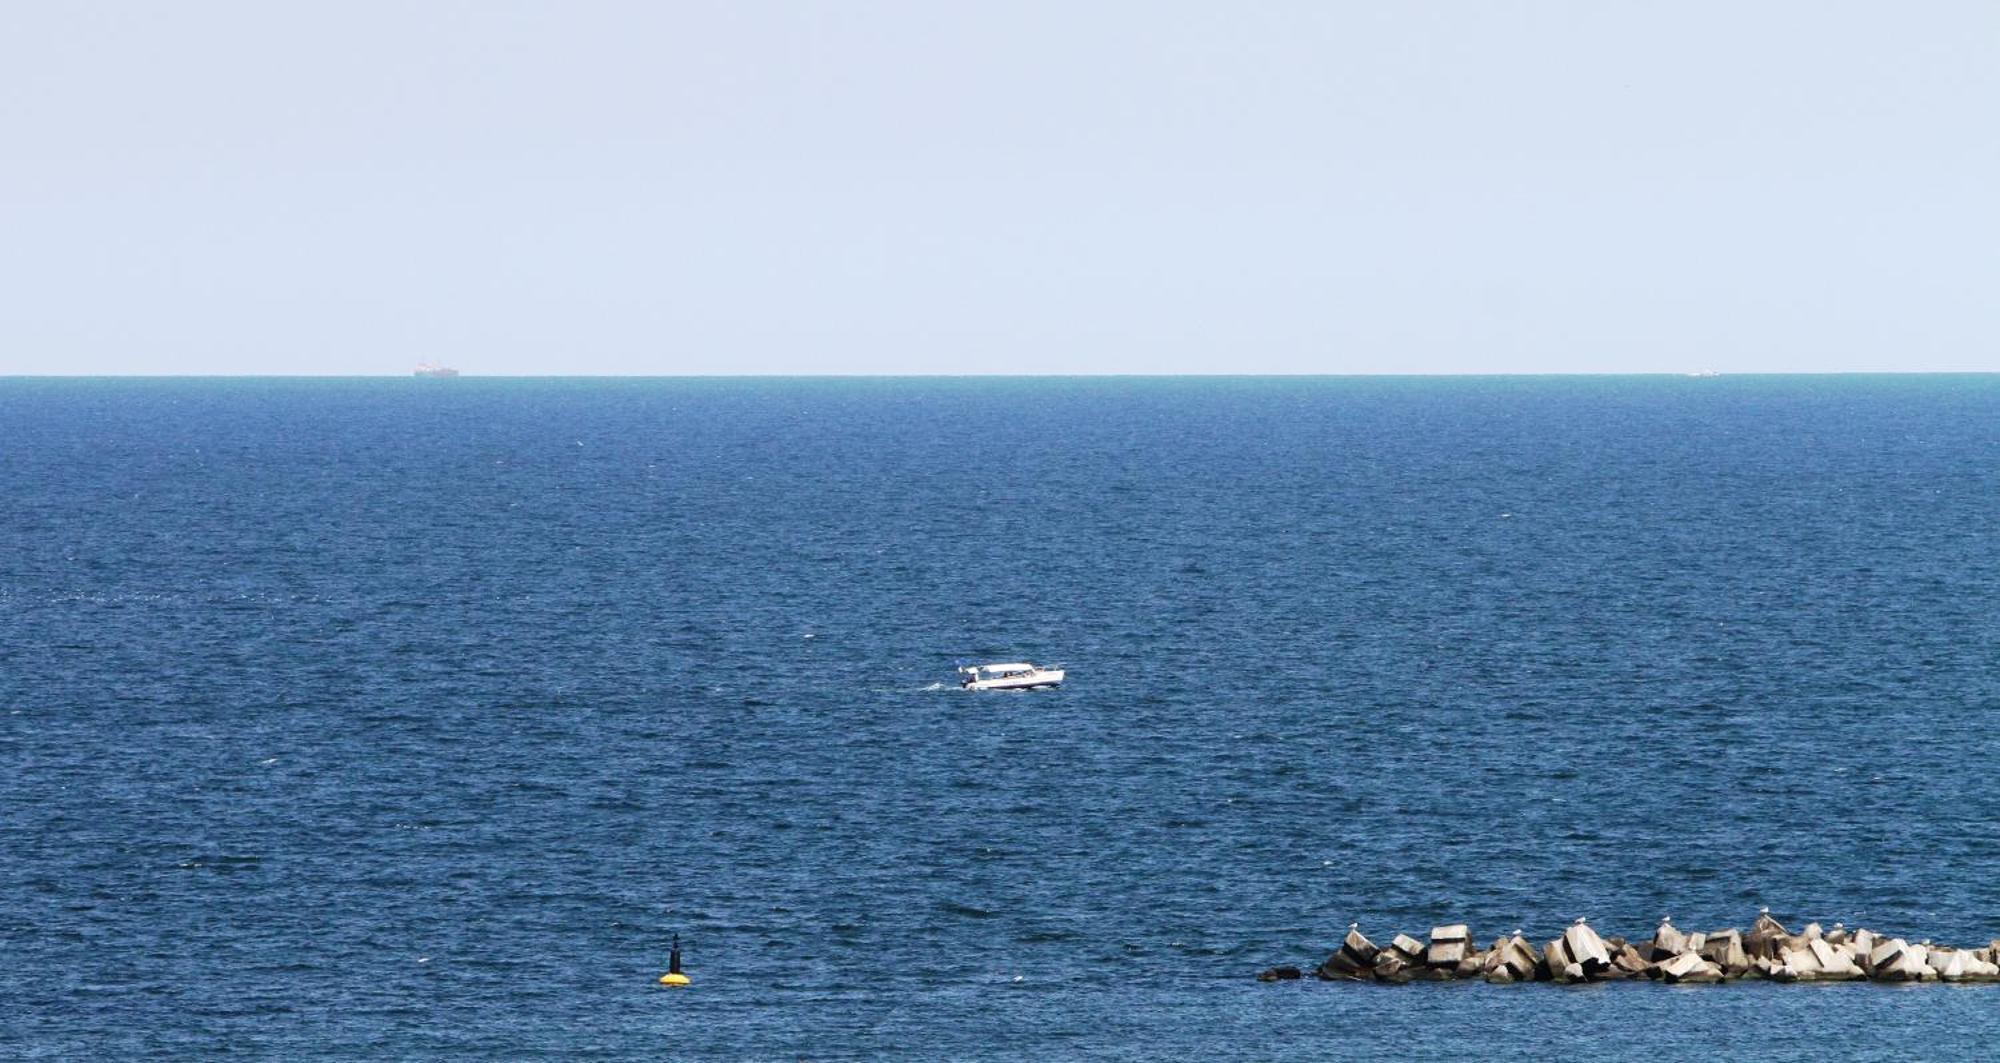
[(1280, 974)]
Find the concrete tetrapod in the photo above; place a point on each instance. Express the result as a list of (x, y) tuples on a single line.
[(1768, 951)]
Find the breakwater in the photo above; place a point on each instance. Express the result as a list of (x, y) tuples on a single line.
[(1767, 951)]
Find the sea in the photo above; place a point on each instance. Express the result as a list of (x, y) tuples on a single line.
[(413, 719)]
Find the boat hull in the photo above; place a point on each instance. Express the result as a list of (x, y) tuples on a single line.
[(1037, 681)]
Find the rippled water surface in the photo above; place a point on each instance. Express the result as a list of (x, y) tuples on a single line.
[(407, 718)]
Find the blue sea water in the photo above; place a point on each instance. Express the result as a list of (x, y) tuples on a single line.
[(409, 718)]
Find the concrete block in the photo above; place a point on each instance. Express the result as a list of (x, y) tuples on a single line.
[(1391, 967), (1668, 941), (1689, 967), (1358, 946), (1522, 958), (1630, 960), (1354, 959), (1706, 974), (1445, 954), (1585, 947), (1836, 962), (1724, 948), (1765, 937), (1555, 956), (1896, 960), (1675, 967)]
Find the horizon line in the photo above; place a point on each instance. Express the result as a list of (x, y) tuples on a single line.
[(1666, 374)]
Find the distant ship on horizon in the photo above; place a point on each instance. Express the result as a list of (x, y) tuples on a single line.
[(430, 370)]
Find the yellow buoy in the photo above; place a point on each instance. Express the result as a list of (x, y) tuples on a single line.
[(674, 975)]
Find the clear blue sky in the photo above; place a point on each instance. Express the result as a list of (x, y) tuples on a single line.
[(659, 188)]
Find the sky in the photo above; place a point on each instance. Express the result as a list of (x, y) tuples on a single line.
[(658, 188)]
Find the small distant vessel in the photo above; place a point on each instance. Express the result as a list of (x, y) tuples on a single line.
[(1015, 676), (1703, 374), (442, 372)]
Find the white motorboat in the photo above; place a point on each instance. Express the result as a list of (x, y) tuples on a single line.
[(1017, 676)]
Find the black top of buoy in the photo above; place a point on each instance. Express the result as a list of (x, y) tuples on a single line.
[(674, 957)]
